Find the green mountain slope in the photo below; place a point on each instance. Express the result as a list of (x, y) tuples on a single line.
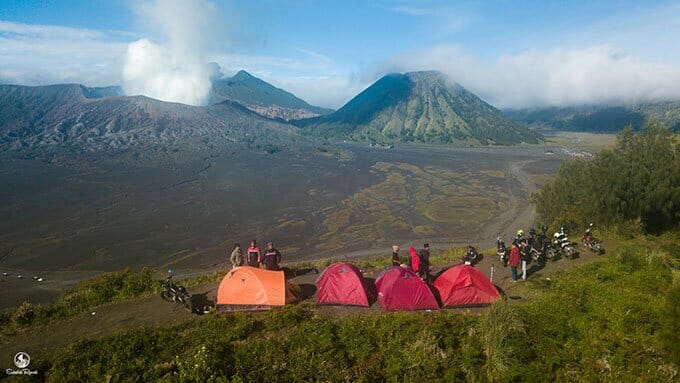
[(263, 98), (599, 118), (420, 107)]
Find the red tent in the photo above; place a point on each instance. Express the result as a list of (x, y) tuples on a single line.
[(342, 284), (402, 289), (465, 285)]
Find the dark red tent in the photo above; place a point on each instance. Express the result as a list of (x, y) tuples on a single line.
[(342, 284), (402, 289), (465, 285)]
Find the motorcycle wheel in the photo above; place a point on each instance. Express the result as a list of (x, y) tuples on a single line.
[(166, 296), (186, 301)]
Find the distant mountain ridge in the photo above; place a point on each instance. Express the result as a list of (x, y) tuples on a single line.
[(263, 98), (599, 118), (419, 107), (89, 119)]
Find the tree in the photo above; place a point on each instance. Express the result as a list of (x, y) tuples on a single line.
[(636, 182)]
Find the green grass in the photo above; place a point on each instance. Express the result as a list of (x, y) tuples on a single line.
[(109, 287), (614, 319), (128, 284)]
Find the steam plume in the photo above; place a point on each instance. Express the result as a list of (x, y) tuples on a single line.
[(174, 67)]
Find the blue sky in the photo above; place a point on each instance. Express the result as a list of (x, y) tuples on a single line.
[(512, 53)]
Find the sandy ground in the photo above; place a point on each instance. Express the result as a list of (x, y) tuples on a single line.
[(519, 213)]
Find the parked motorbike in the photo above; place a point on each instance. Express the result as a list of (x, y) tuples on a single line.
[(536, 256), (502, 251), (563, 245), (552, 253), (592, 243), (471, 257), (172, 292)]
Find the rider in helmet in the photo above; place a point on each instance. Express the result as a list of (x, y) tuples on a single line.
[(518, 238), (561, 238), (588, 235), (531, 241)]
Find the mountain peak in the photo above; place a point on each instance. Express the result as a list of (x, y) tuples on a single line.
[(423, 106), (262, 97), (426, 74), (242, 75)]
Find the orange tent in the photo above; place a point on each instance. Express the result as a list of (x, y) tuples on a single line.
[(250, 288)]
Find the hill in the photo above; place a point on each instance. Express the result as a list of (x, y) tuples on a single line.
[(420, 107), (263, 98), (599, 118), (94, 119)]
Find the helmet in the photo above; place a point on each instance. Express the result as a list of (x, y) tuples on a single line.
[(561, 228), (544, 227), (498, 239), (532, 231), (520, 232)]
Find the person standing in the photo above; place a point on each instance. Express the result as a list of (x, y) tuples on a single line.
[(525, 255), (236, 256), (395, 256), (254, 256), (271, 257), (424, 264), (513, 261)]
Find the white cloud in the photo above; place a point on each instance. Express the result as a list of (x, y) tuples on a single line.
[(558, 76), (45, 54), (413, 11)]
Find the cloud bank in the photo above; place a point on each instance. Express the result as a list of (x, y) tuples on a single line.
[(34, 54), (175, 68), (555, 77)]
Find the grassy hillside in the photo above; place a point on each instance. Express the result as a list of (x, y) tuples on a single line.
[(611, 320), (420, 107)]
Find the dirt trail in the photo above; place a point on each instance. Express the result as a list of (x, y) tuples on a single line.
[(521, 213)]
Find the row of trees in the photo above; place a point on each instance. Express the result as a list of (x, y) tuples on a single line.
[(636, 183)]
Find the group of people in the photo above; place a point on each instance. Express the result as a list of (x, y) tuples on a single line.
[(254, 257), (417, 261)]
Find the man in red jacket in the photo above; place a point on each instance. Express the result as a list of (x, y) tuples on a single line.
[(513, 261)]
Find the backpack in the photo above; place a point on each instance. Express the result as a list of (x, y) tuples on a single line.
[(415, 262)]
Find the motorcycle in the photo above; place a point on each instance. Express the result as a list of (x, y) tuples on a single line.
[(592, 243), (536, 256), (563, 245), (551, 253), (595, 246), (471, 257), (502, 252), (172, 292)]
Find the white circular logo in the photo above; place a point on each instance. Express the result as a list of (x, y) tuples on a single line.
[(22, 360)]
